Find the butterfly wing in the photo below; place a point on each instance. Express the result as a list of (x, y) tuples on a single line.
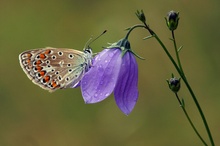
[(55, 68)]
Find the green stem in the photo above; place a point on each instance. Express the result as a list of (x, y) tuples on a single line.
[(199, 109), (191, 91), (176, 51), (133, 27), (190, 121), (186, 82)]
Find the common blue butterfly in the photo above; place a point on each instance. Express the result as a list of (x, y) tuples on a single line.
[(56, 68)]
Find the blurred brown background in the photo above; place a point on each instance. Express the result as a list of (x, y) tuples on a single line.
[(31, 116)]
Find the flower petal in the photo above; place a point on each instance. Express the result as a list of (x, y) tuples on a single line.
[(126, 91), (99, 82)]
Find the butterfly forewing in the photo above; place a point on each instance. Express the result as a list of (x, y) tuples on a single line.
[(55, 68)]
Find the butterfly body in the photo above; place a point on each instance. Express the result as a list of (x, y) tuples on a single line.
[(56, 68)]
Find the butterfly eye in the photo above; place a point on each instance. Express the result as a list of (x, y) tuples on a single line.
[(88, 50)]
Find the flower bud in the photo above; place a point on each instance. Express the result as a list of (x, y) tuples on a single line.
[(174, 84), (141, 16), (172, 20)]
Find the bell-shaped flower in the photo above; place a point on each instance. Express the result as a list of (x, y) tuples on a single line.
[(113, 70)]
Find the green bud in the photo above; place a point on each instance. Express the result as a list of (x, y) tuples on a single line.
[(141, 16), (172, 20), (174, 84)]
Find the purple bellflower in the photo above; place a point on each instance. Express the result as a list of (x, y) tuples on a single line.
[(114, 70)]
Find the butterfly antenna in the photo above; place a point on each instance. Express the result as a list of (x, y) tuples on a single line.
[(88, 43)]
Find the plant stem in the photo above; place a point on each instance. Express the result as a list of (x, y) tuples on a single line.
[(188, 118), (199, 109), (181, 73), (191, 91), (133, 27), (176, 51)]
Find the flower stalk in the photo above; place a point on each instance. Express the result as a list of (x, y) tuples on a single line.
[(179, 69), (176, 51), (188, 118), (132, 28), (174, 85)]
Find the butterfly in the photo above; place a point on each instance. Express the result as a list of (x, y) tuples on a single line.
[(56, 68)]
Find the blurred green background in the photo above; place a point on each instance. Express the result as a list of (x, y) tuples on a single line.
[(31, 116)]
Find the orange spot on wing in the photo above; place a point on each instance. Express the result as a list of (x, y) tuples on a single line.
[(28, 61), (42, 56), (29, 55), (54, 84), (42, 73), (39, 68), (38, 62), (47, 78), (47, 51)]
